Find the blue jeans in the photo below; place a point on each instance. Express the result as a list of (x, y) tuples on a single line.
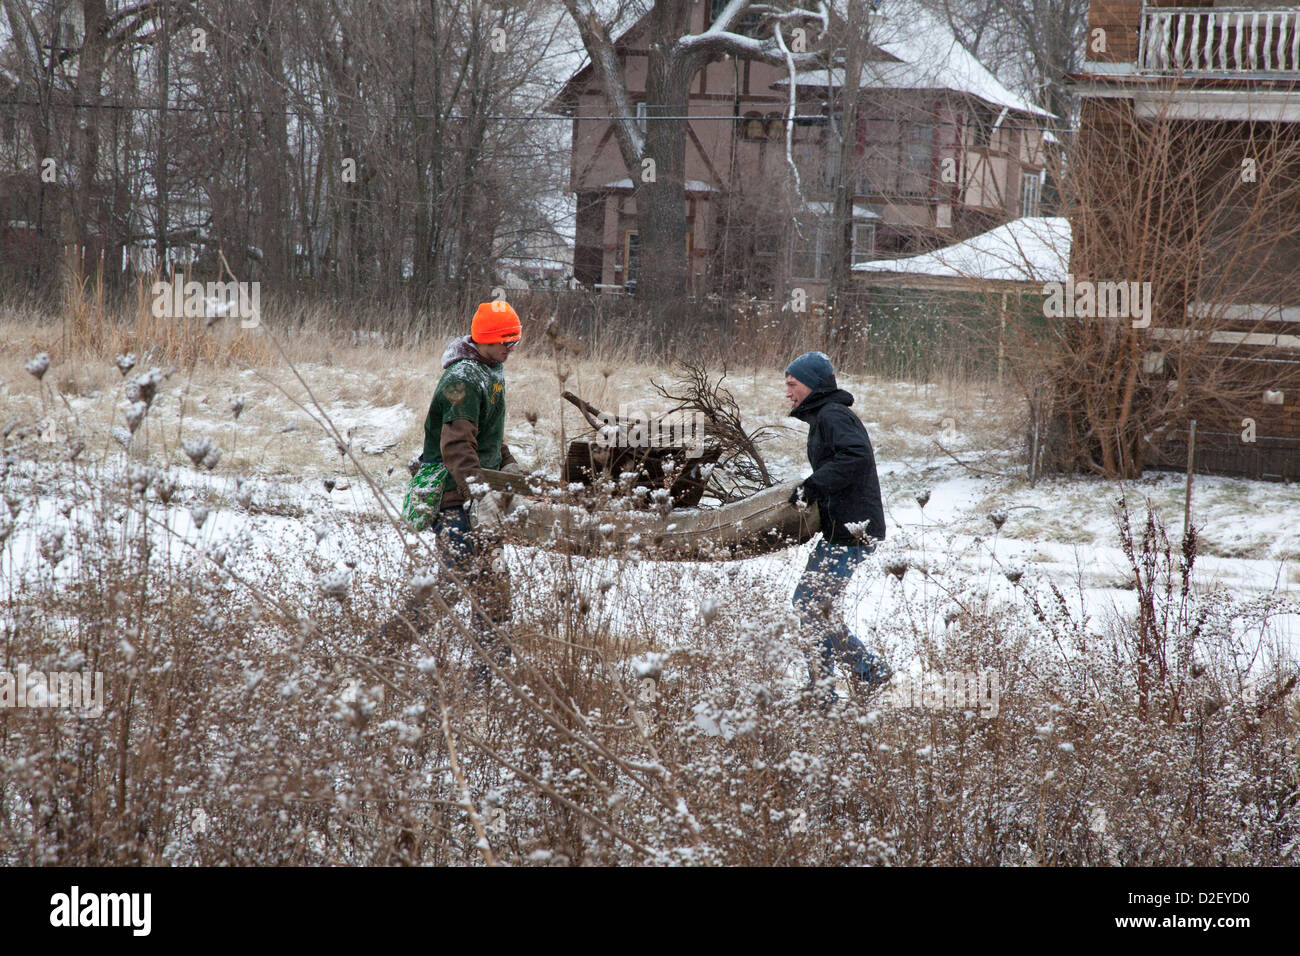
[(471, 555), (828, 572)]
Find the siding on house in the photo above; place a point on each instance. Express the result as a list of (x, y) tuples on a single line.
[(735, 155), (1235, 89), (1120, 19)]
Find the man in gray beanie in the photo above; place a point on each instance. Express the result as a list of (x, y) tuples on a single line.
[(846, 489)]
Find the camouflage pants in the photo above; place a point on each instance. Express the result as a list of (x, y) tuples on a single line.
[(478, 559)]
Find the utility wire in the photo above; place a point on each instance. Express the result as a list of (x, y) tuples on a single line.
[(817, 118)]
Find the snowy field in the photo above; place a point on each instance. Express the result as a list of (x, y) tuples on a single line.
[(226, 554), (291, 506)]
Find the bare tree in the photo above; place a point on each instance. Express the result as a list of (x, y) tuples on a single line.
[(1178, 227), (330, 143), (656, 161), (740, 470), (854, 34), (1034, 44)]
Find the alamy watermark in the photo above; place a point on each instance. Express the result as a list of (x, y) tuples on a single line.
[(630, 429), (211, 301), (80, 692), (944, 690), (1086, 299), (129, 910)]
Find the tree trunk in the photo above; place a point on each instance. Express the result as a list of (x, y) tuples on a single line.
[(90, 71), (162, 187), (660, 188), (273, 157), (660, 205), (855, 38)]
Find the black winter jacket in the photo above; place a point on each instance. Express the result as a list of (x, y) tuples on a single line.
[(844, 482)]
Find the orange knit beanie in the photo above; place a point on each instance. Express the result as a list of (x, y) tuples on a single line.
[(495, 322)]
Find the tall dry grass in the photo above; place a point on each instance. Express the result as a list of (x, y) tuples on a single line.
[(94, 318), (90, 321), (652, 713)]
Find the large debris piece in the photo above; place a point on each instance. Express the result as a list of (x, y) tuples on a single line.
[(544, 514), (616, 454)]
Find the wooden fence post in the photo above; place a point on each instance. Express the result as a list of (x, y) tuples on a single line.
[(1191, 456)]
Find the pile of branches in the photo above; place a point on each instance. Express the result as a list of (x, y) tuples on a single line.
[(740, 470)]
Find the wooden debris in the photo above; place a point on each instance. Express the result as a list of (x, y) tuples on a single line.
[(543, 513)]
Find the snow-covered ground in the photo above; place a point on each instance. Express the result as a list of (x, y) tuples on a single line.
[(992, 585), (291, 507)]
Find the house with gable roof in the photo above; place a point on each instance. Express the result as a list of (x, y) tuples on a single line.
[(944, 151)]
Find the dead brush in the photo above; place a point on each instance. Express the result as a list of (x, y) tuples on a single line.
[(93, 328), (651, 712)]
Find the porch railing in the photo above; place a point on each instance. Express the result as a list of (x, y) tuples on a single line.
[(1232, 41)]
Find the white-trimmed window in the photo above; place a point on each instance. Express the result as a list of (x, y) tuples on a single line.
[(864, 242), (810, 249), (1030, 185), (918, 146), (631, 256)]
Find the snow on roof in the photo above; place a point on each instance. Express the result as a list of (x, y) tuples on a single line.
[(619, 21), (692, 185), (860, 210), (927, 57), (539, 265), (1033, 249)]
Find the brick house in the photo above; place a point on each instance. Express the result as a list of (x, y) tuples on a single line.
[(944, 152), (1229, 73)]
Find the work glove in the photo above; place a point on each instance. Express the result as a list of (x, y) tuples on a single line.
[(798, 496), (485, 512)]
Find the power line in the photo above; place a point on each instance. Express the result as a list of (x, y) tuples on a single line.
[(815, 118)]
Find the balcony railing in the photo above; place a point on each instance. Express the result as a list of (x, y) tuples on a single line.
[(1224, 41)]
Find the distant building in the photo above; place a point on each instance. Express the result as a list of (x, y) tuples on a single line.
[(1229, 74), (543, 261), (944, 151)]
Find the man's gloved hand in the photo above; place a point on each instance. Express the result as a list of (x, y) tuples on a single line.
[(513, 468), (485, 512), (798, 496)]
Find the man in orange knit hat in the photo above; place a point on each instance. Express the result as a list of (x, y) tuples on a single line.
[(464, 433)]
